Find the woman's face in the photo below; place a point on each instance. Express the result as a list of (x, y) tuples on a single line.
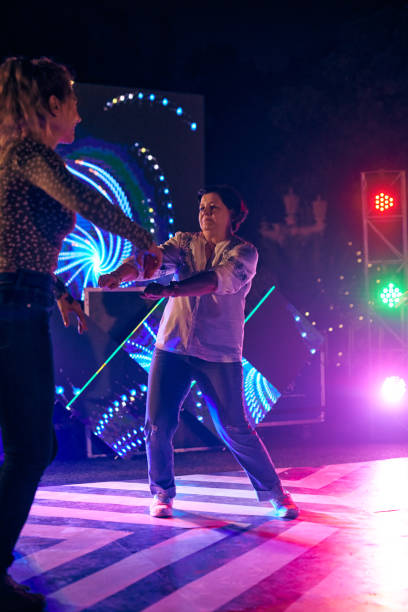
[(69, 119), (213, 215), (64, 119)]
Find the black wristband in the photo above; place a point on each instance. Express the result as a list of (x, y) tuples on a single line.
[(174, 285)]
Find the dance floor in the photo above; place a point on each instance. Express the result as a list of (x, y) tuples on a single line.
[(94, 547)]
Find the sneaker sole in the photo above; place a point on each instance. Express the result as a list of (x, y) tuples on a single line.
[(164, 514), (289, 514)]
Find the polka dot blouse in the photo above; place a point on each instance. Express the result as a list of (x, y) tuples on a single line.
[(38, 201)]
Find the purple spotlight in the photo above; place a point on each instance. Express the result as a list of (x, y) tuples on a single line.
[(393, 389)]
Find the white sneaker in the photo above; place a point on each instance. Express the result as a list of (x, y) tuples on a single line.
[(160, 508)]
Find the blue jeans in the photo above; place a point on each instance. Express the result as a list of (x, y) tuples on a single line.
[(26, 398), (170, 377)]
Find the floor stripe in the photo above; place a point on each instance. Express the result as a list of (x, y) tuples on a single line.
[(220, 586), (207, 492), (187, 505), (180, 504), (326, 475), (184, 489), (77, 541), (134, 518), (320, 478), (216, 478), (102, 584)]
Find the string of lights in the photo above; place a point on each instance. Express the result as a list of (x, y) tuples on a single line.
[(139, 96)]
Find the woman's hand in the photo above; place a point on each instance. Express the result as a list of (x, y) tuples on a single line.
[(66, 304), (150, 260), (109, 281), (126, 272)]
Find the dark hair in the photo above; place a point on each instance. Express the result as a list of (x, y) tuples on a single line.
[(26, 86), (232, 200)]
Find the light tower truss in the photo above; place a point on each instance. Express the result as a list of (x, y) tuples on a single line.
[(384, 212)]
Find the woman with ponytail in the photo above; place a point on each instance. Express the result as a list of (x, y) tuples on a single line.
[(200, 338), (39, 199)]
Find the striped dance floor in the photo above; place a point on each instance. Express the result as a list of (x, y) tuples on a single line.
[(94, 547)]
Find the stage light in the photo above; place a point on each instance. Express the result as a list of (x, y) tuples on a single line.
[(391, 295), (383, 201), (393, 389), (152, 97), (193, 126), (169, 205), (179, 111), (165, 101), (59, 390)]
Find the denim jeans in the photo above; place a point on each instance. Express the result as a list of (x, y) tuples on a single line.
[(170, 378), (26, 398)]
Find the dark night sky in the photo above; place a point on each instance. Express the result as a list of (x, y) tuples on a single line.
[(298, 94)]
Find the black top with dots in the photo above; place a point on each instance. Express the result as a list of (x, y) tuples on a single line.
[(38, 201)]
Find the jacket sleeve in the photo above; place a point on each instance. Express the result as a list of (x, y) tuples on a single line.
[(236, 269), (45, 169), (171, 258)]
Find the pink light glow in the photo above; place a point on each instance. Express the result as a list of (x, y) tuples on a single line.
[(393, 389)]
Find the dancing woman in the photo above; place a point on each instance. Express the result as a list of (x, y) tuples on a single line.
[(38, 202), (200, 338)]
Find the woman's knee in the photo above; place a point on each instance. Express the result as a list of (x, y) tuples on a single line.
[(159, 432)]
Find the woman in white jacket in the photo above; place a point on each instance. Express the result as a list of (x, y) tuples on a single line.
[(200, 338)]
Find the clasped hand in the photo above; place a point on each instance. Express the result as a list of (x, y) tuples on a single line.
[(144, 266)]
